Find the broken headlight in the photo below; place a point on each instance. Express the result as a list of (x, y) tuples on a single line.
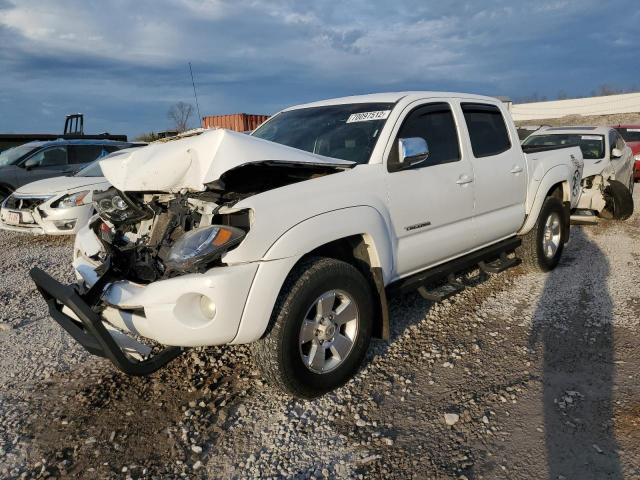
[(117, 207), (201, 246)]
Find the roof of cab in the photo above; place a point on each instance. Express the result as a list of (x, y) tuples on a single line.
[(390, 97)]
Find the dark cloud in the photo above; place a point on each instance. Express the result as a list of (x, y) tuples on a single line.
[(124, 63)]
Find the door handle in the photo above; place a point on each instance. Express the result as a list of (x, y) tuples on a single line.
[(464, 179), (516, 169)]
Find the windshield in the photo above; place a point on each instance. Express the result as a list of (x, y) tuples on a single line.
[(630, 134), (592, 146), (13, 155), (347, 132), (92, 170)]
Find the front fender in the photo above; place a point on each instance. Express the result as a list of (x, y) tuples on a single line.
[(301, 239), (334, 225), (560, 174)]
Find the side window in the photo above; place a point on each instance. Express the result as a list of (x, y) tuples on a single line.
[(487, 130), (435, 123), (620, 143), (49, 157), (87, 153)]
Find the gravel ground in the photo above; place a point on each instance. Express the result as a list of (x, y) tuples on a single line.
[(522, 376)]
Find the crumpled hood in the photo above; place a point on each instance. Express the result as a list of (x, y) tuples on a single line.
[(193, 162), (50, 186)]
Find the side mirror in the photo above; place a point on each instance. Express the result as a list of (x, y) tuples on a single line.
[(29, 164), (616, 153), (412, 151)]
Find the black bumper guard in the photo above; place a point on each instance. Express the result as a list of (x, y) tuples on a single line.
[(91, 333)]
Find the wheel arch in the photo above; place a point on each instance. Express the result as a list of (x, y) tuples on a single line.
[(554, 183), (357, 235)]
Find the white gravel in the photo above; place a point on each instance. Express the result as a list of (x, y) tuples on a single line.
[(477, 358)]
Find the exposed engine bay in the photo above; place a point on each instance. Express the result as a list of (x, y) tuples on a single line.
[(148, 236)]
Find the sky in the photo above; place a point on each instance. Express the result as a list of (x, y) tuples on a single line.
[(124, 63)]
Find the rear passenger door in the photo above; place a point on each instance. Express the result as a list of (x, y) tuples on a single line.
[(81, 155), (499, 172), (431, 204)]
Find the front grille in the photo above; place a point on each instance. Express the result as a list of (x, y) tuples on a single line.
[(14, 202)]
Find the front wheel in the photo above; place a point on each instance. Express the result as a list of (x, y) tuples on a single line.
[(618, 201), (320, 329), (542, 247)]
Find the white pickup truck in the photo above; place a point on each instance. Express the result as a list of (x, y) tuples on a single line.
[(292, 237)]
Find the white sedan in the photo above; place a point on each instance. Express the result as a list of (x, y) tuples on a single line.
[(54, 206), (608, 176)]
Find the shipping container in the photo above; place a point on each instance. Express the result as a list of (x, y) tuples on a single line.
[(240, 122)]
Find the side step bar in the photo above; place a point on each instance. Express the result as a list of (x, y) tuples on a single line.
[(91, 332), (584, 217), (441, 282)]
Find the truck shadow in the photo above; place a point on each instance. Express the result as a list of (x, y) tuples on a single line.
[(574, 329)]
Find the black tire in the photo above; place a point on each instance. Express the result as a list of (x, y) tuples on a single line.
[(278, 352), (532, 249), (618, 201)]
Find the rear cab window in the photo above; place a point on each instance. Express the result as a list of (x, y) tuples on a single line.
[(487, 129)]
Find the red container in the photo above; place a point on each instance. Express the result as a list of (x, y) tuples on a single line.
[(240, 122)]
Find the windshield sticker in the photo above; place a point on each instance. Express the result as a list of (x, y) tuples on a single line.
[(633, 130), (590, 137), (368, 116)]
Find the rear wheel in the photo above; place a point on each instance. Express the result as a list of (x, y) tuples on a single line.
[(320, 329), (542, 247)]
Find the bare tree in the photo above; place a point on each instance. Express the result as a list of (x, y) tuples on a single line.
[(179, 114)]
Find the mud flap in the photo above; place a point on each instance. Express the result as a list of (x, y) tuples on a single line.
[(567, 221)]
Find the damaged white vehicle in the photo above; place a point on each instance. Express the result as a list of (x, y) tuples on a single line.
[(608, 178), (292, 238)]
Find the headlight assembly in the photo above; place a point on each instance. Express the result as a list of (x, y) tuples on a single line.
[(117, 207), (637, 157), (201, 246), (73, 200)]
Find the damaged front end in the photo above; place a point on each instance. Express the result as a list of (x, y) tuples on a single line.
[(156, 268), (149, 237)]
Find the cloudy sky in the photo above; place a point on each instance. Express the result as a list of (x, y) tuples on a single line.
[(123, 63)]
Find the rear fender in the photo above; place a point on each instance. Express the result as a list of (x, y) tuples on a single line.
[(559, 175)]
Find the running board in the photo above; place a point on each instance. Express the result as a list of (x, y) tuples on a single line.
[(584, 217), (441, 282), (442, 292), (500, 265)]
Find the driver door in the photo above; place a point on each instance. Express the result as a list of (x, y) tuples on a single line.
[(431, 203)]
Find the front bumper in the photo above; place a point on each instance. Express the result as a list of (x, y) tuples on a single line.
[(43, 220), (169, 311), (88, 329)]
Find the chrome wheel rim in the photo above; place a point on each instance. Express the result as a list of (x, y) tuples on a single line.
[(328, 331), (551, 235)]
